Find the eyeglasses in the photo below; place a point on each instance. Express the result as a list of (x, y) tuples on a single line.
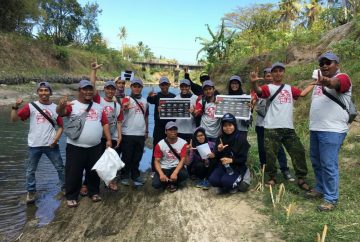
[(325, 62)]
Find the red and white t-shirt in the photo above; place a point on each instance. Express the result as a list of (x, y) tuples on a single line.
[(93, 130), (209, 122), (167, 159), (325, 114), (113, 112), (280, 112), (134, 119), (41, 132)]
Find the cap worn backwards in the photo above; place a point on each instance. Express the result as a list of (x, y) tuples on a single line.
[(44, 85)]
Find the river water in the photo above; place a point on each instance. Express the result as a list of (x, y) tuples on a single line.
[(14, 213)]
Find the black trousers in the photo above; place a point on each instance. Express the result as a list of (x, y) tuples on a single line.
[(201, 171), (182, 176), (132, 152), (79, 159), (158, 134)]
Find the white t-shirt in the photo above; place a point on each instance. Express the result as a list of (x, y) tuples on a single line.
[(325, 114), (112, 115), (209, 122), (167, 158), (41, 132), (280, 112), (134, 119), (93, 130), (187, 126)]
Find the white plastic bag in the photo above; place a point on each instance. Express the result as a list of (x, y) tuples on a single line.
[(108, 164)]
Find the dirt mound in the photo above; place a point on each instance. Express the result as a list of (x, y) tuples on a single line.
[(190, 214)]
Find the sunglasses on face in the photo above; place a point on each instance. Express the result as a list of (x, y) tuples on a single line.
[(325, 62)]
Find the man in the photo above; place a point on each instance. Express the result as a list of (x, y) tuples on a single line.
[(134, 133), (84, 151), (196, 88), (186, 127), (278, 124), (205, 107), (42, 138), (259, 128), (328, 129), (154, 98), (169, 156), (113, 113), (120, 89)]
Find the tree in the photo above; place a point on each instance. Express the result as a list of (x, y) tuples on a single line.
[(60, 20), (312, 12), (18, 15), (89, 24), (122, 36), (289, 11), (216, 48)]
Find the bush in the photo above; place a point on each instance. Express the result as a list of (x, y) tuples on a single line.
[(61, 54)]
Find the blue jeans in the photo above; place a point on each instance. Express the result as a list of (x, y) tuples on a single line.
[(324, 152), (31, 165)]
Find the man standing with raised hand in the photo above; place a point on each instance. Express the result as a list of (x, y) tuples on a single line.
[(84, 151), (43, 137), (328, 129), (279, 125)]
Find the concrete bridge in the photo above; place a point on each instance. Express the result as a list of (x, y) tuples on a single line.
[(169, 66)]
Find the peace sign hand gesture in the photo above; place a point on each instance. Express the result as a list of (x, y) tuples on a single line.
[(221, 146)]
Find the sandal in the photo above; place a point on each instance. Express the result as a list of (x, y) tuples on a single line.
[(303, 185), (113, 186), (72, 203), (83, 191), (96, 198)]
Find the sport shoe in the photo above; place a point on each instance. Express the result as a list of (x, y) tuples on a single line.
[(287, 176), (234, 190), (30, 197), (205, 185), (199, 184), (138, 181), (326, 207), (313, 194), (172, 188), (125, 181)]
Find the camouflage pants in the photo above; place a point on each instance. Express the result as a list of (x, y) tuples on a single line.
[(273, 139)]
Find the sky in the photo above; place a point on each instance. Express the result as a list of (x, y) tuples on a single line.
[(168, 27)]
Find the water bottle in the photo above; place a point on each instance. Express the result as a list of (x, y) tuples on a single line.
[(228, 169)]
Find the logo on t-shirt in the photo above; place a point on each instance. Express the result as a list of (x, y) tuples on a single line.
[(92, 115), (284, 97), (318, 91), (108, 110), (210, 111), (138, 109), (170, 155), (40, 118)]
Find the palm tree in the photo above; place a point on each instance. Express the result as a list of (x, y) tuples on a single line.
[(289, 11), (312, 11), (122, 36)]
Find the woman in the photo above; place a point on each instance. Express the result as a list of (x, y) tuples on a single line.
[(201, 168), (231, 174), (235, 88)]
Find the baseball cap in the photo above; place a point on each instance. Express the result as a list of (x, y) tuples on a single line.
[(163, 79), (170, 125), (85, 83), (277, 64), (236, 78), (330, 56), (136, 81), (118, 79), (110, 84), (208, 83), (44, 84), (267, 70), (185, 81), (228, 117)]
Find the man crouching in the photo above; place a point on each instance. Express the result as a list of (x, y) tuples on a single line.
[(169, 156)]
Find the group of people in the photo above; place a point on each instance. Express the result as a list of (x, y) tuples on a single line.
[(121, 121)]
